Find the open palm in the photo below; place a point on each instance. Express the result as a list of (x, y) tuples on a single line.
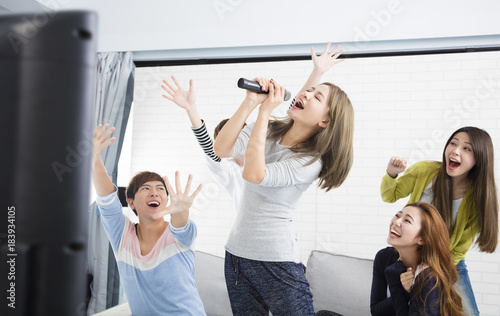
[(179, 201), (183, 98), (101, 139), (326, 60)]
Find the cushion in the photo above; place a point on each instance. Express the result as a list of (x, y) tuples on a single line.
[(340, 283), (209, 274)]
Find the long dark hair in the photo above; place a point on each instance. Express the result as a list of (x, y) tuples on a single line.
[(483, 199), (333, 144)]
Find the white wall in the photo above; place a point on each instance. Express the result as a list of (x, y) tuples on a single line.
[(404, 106), (234, 28)]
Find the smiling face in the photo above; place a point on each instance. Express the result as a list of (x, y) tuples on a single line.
[(459, 155), (150, 198), (311, 107), (404, 231)]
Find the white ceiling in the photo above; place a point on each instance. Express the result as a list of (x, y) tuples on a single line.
[(166, 29)]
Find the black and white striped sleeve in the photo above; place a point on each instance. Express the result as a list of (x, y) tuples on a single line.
[(205, 142)]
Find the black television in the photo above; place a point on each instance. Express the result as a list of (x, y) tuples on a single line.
[(47, 96)]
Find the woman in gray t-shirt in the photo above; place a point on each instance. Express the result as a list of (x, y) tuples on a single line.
[(282, 158)]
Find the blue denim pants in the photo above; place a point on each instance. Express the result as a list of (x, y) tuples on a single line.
[(257, 287), (464, 288)]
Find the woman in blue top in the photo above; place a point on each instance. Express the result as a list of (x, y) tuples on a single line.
[(155, 258)]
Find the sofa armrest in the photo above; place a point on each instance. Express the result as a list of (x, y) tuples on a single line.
[(340, 283)]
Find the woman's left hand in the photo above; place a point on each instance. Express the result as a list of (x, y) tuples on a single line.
[(326, 60), (275, 97), (179, 201)]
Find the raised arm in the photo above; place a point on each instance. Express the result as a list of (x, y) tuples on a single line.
[(101, 140), (180, 202), (395, 166), (224, 144), (392, 188), (255, 164), (184, 99), (322, 64)]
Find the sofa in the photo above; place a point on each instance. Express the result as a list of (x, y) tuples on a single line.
[(338, 283)]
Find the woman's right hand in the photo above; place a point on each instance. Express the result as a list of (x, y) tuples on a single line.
[(396, 165), (407, 279), (184, 99), (393, 272)]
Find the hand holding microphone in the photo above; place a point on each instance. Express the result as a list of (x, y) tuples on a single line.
[(255, 87)]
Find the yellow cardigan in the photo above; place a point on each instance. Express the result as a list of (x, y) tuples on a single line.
[(413, 182)]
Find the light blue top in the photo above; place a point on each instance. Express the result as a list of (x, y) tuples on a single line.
[(161, 282)]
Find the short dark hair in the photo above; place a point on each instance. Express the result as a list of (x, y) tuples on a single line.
[(138, 180)]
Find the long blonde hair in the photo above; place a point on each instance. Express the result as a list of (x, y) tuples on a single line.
[(333, 144)]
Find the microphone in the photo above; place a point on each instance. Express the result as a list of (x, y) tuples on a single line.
[(255, 87)]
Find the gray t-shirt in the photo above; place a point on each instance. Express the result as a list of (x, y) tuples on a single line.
[(263, 228)]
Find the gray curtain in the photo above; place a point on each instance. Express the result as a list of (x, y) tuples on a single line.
[(114, 95)]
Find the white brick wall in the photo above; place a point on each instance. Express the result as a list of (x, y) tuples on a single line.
[(405, 106)]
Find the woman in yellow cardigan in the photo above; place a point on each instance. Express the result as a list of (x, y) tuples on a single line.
[(462, 188)]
